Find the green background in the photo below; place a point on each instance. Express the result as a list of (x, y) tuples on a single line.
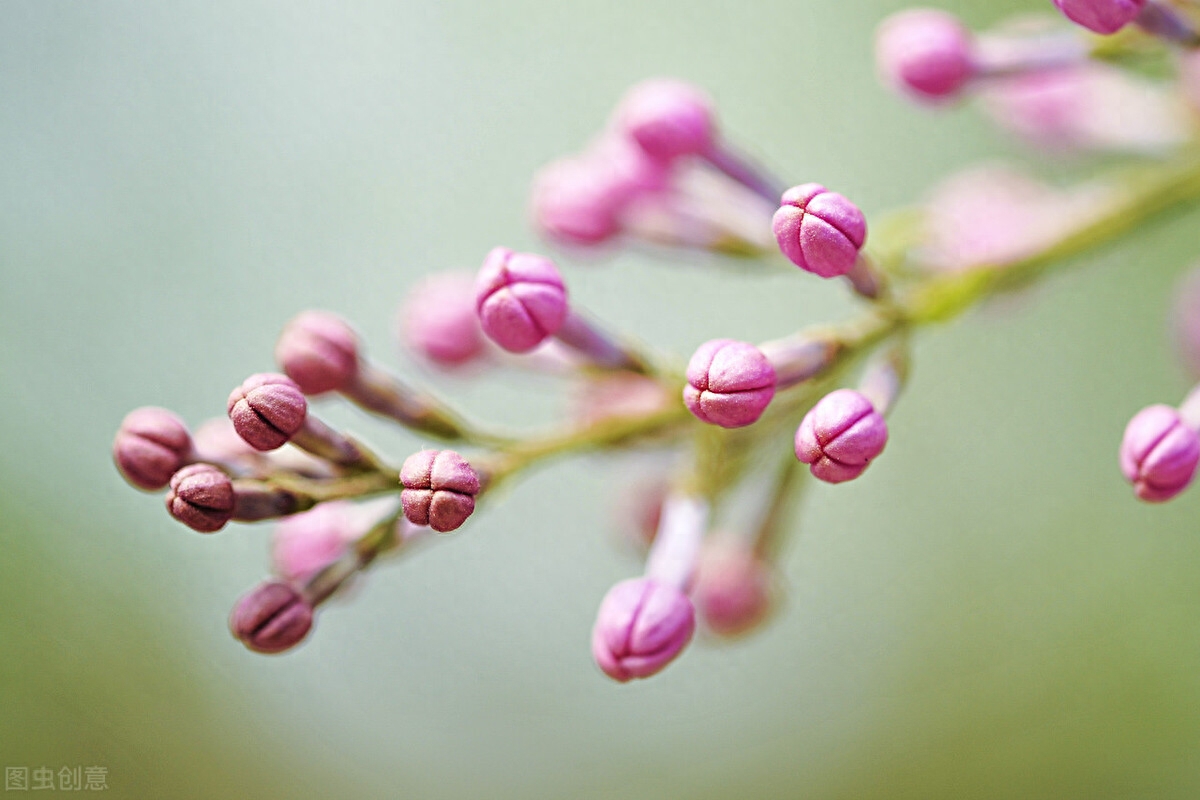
[(988, 613)]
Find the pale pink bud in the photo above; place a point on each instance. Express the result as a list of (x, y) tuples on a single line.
[(818, 230), (201, 497), (319, 351), (520, 298), (730, 383), (926, 53), (267, 410), (1185, 321), (840, 436), (304, 544), (150, 446), (732, 590), (439, 489), (439, 320), (271, 618), (1159, 453), (1101, 16), (668, 118), (641, 627)]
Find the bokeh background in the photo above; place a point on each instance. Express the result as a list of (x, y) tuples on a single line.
[(988, 614)]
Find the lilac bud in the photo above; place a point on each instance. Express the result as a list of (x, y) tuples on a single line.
[(201, 497), (668, 118), (818, 230), (926, 53), (439, 489), (319, 351), (150, 446), (729, 383), (840, 436), (641, 627), (271, 618), (1159, 453), (520, 298), (304, 544), (439, 320), (267, 410), (1101, 16), (732, 590)]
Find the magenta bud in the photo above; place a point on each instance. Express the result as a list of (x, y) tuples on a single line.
[(201, 497), (668, 118), (439, 489), (732, 590), (1101, 16), (1159, 453), (520, 298), (840, 436), (729, 383), (319, 351), (640, 629), (150, 446), (267, 410), (304, 544), (439, 320), (818, 230), (926, 53), (271, 618)]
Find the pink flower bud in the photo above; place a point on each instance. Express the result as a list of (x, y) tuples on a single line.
[(150, 446), (439, 320), (818, 230), (620, 394), (201, 497), (1159, 453), (641, 627), (732, 590), (926, 53), (319, 351), (668, 118), (1185, 321), (729, 383), (520, 298), (271, 618), (439, 489), (304, 544), (840, 436), (1101, 16), (267, 410)]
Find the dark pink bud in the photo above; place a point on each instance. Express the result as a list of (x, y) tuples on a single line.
[(151, 445), (1101, 16), (201, 497), (729, 383), (319, 351), (439, 320), (732, 590), (267, 410), (925, 53), (641, 627), (818, 230), (840, 436), (1159, 453), (271, 618), (439, 489), (668, 118), (520, 298)]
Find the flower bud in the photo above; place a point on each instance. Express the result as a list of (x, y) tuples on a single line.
[(641, 627), (729, 383), (732, 590), (840, 436), (439, 489), (271, 618), (304, 544), (439, 320), (267, 410), (150, 446), (668, 118), (319, 351), (201, 497), (818, 230), (520, 298), (1101, 16), (1159, 453), (925, 53)]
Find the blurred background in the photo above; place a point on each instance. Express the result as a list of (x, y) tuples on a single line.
[(988, 614)]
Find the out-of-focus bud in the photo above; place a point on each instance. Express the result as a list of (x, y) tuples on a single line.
[(818, 230), (733, 587), (520, 298), (730, 383), (1101, 16), (618, 395), (925, 53), (643, 624), (271, 618), (319, 351), (840, 436), (439, 321), (639, 511), (668, 118), (1159, 453), (267, 410), (201, 497), (439, 489), (304, 544), (151, 445), (1185, 322)]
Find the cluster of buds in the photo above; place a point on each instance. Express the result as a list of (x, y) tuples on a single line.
[(762, 419)]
